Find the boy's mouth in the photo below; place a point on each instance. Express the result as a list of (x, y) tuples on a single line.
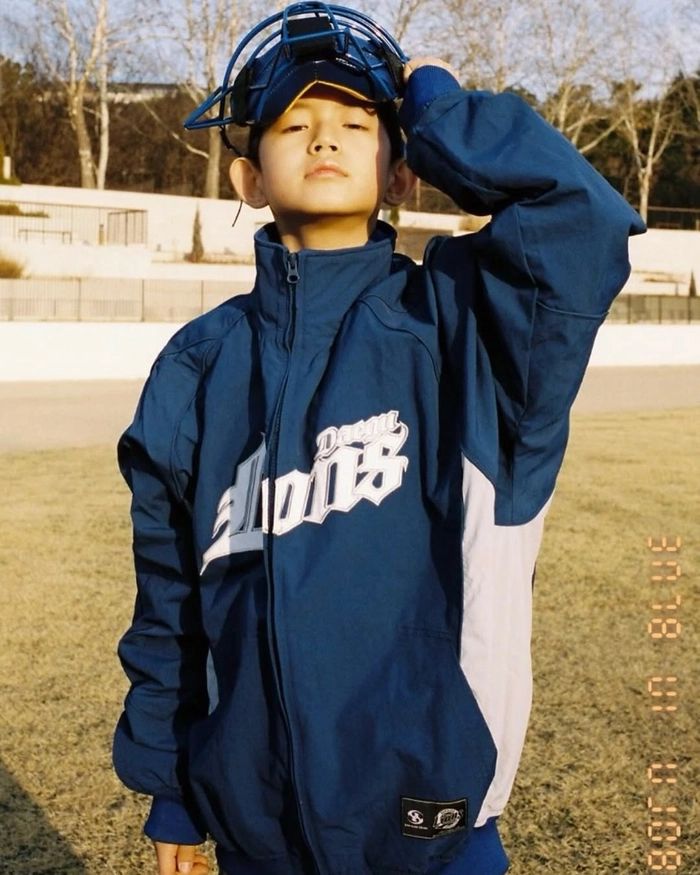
[(326, 168)]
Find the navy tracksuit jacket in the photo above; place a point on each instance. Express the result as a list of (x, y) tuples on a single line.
[(339, 482)]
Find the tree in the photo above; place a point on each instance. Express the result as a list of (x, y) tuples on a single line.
[(649, 97), (196, 41), (14, 91), (75, 45), (577, 46), (197, 253), (561, 54), (677, 177), (487, 42), (70, 46), (648, 126), (35, 127), (144, 154), (406, 20)]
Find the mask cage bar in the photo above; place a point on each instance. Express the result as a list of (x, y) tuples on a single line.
[(342, 20)]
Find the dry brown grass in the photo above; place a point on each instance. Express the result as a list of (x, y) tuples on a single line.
[(580, 799), (579, 804)]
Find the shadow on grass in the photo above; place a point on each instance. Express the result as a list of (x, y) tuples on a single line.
[(31, 846)]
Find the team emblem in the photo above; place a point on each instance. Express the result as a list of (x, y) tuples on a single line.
[(448, 818)]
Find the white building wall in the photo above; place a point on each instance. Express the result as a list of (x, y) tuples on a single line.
[(58, 260), (49, 351), (663, 250), (171, 219)]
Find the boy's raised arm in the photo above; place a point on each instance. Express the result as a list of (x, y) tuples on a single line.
[(523, 298)]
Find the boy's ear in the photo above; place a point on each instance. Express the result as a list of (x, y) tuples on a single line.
[(402, 181), (246, 179)]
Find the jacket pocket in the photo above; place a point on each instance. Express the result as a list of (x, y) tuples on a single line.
[(459, 747), (411, 730), (445, 751), (238, 763)]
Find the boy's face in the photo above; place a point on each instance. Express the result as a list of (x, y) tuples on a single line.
[(324, 169)]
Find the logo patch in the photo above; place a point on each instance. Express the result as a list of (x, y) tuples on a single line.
[(422, 819)]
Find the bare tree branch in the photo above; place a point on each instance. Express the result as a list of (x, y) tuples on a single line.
[(174, 134), (73, 44), (201, 36)]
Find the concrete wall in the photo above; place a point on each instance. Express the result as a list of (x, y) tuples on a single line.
[(664, 250), (170, 221), (57, 260), (80, 350), (639, 345), (170, 217), (100, 351)]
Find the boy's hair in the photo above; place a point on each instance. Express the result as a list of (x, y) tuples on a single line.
[(388, 117)]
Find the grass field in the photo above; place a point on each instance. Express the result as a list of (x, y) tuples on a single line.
[(580, 800)]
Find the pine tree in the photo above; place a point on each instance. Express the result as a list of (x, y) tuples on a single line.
[(197, 253)]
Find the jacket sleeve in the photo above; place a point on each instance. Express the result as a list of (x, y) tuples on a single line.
[(520, 302), (164, 652)]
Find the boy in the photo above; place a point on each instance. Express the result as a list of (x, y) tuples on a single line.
[(339, 481)]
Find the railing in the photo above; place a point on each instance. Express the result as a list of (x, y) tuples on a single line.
[(426, 199), (144, 300), (677, 218), (63, 223), (659, 309), (112, 300)]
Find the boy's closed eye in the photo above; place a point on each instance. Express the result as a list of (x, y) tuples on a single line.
[(299, 127)]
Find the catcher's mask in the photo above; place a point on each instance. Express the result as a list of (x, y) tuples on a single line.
[(308, 43)]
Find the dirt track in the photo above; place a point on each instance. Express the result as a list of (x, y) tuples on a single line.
[(74, 414)]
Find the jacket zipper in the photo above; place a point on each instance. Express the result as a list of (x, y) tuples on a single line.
[(292, 263)]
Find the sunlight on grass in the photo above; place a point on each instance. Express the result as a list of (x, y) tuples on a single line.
[(579, 804)]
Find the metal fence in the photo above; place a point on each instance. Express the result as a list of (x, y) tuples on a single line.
[(426, 199), (659, 309), (62, 223), (678, 218), (143, 300), (112, 300)]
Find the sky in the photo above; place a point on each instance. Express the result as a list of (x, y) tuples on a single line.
[(684, 25), (684, 37)]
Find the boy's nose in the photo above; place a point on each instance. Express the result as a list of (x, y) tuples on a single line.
[(324, 140)]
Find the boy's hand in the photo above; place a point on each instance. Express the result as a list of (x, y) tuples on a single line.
[(415, 63), (180, 859)]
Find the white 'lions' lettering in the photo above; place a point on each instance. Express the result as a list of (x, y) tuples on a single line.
[(234, 526), (353, 462)]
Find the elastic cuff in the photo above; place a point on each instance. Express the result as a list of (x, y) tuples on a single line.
[(484, 853), (423, 87), (169, 821)]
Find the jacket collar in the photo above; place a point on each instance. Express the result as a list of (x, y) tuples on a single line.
[(328, 282)]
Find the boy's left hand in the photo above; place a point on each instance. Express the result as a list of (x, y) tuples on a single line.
[(177, 859), (414, 63)]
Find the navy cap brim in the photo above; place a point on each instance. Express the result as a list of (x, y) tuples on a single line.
[(294, 81)]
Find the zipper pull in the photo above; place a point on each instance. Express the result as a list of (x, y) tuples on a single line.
[(293, 268)]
